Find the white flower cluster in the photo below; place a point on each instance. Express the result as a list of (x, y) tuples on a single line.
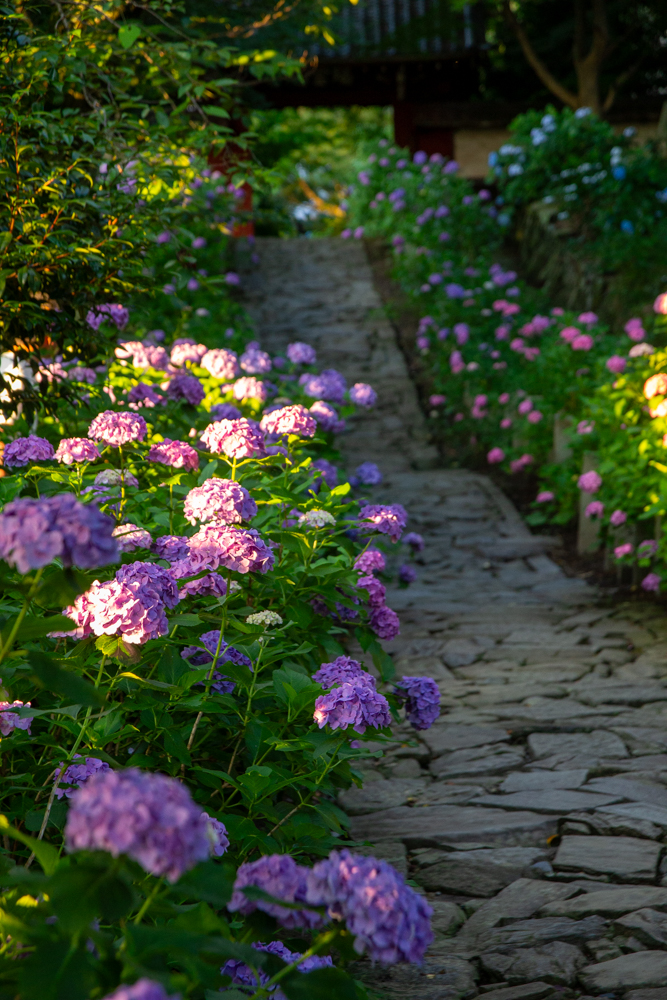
[(267, 618), (317, 519)]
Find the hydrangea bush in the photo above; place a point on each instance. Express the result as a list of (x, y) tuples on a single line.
[(182, 573)]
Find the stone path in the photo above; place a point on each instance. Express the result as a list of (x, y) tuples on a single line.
[(533, 814)]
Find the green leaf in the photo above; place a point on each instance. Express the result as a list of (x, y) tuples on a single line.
[(175, 746), (86, 890), (35, 628), (188, 620), (210, 882), (320, 984), (128, 34), (64, 682), (46, 854), (216, 111)]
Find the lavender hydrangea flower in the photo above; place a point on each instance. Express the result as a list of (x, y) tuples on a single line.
[(422, 700), (171, 547), (280, 876), (363, 395), (367, 474), (143, 989), (228, 654), (234, 438), (250, 387), (28, 449), (71, 450), (415, 541), (177, 454), (301, 354), (225, 411), (355, 704), (369, 561), (143, 394), (289, 420), (385, 623), (376, 590), (150, 581), (117, 429), (242, 975), (113, 311), (388, 919), (255, 362), (35, 532), (327, 417), (241, 550), (327, 471), (221, 364), (131, 537), (209, 585), (341, 670), (187, 387), (76, 775), (220, 500), (406, 573), (149, 817), (187, 350), (389, 519), (9, 720), (329, 385), (143, 355)]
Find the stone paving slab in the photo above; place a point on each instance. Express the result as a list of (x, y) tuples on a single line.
[(555, 702)]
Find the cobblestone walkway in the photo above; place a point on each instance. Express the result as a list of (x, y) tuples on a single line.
[(533, 814)]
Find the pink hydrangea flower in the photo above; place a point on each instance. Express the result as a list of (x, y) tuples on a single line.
[(131, 537), (652, 581), (177, 454), (519, 464), (594, 509), (590, 482), (506, 423), (221, 363), (250, 387), (187, 351), (437, 400), (241, 550), (584, 342), (221, 501), (525, 406), (618, 517), (660, 307), (587, 318), (495, 455), (289, 420), (616, 364), (117, 429), (569, 333), (545, 496), (623, 550), (235, 438), (534, 416), (635, 330), (585, 427)]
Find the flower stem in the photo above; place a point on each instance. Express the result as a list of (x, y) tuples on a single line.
[(21, 615)]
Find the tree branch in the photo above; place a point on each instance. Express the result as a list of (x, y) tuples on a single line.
[(578, 51), (620, 80), (545, 75)]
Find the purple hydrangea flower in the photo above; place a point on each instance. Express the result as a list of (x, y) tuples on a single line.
[(241, 550), (221, 363), (415, 541), (82, 374), (385, 623), (363, 394), (171, 547), (77, 774), (376, 590), (327, 417), (255, 362), (369, 561), (143, 355), (234, 438), (143, 394), (131, 537), (280, 876), (27, 449), (326, 471), (225, 411), (117, 429), (143, 989), (341, 670), (355, 704), (71, 450), (389, 519), (113, 311), (422, 700), (186, 350), (407, 573), (209, 585), (150, 581), (329, 384), (242, 975), (289, 420), (187, 387), (9, 720), (149, 817), (228, 654), (301, 354), (35, 532), (177, 454), (368, 474), (220, 500), (388, 919), (250, 387)]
